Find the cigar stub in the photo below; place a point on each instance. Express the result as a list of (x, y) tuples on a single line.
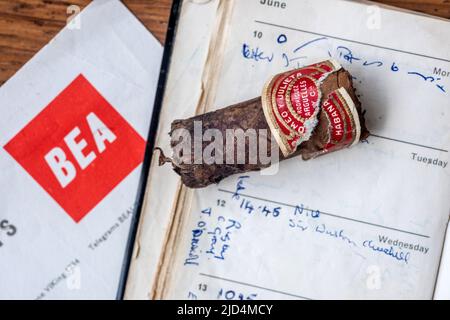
[(305, 112), (291, 102)]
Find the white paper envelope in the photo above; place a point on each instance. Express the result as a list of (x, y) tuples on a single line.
[(73, 129)]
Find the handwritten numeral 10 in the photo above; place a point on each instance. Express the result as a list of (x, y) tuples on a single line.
[(257, 34)]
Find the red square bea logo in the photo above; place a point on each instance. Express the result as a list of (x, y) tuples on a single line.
[(78, 148)]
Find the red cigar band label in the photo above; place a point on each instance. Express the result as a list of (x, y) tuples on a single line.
[(343, 119), (291, 103)]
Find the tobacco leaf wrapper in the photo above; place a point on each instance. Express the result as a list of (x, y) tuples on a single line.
[(309, 111)]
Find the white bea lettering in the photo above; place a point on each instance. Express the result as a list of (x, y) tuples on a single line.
[(63, 169), (77, 148), (100, 131)]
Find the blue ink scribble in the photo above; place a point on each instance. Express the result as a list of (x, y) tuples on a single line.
[(297, 224), (308, 43), (233, 224), (338, 234), (425, 78), (441, 87), (255, 54), (282, 38), (193, 255), (300, 210), (347, 54), (376, 63), (239, 187), (394, 67), (430, 79), (286, 59), (398, 255), (206, 211)]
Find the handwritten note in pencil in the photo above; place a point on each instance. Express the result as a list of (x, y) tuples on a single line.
[(368, 222)]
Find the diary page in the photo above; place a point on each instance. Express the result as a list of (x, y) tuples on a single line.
[(442, 290), (365, 222)]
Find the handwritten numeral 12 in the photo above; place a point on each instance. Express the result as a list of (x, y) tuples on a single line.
[(221, 203)]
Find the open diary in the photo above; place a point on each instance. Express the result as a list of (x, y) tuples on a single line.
[(367, 222)]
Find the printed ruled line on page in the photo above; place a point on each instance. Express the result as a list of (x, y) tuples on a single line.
[(254, 286), (329, 214), (408, 142)]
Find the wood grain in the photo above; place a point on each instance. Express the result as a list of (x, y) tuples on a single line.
[(440, 8), (27, 25)]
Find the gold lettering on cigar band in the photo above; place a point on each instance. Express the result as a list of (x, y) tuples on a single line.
[(284, 117), (282, 82), (339, 116), (350, 114), (285, 94), (284, 85), (304, 96), (270, 106)]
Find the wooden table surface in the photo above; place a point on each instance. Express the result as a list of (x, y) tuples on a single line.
[(27, 25)]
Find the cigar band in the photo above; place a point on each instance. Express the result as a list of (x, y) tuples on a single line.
[(290, 102), (344, 127)]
